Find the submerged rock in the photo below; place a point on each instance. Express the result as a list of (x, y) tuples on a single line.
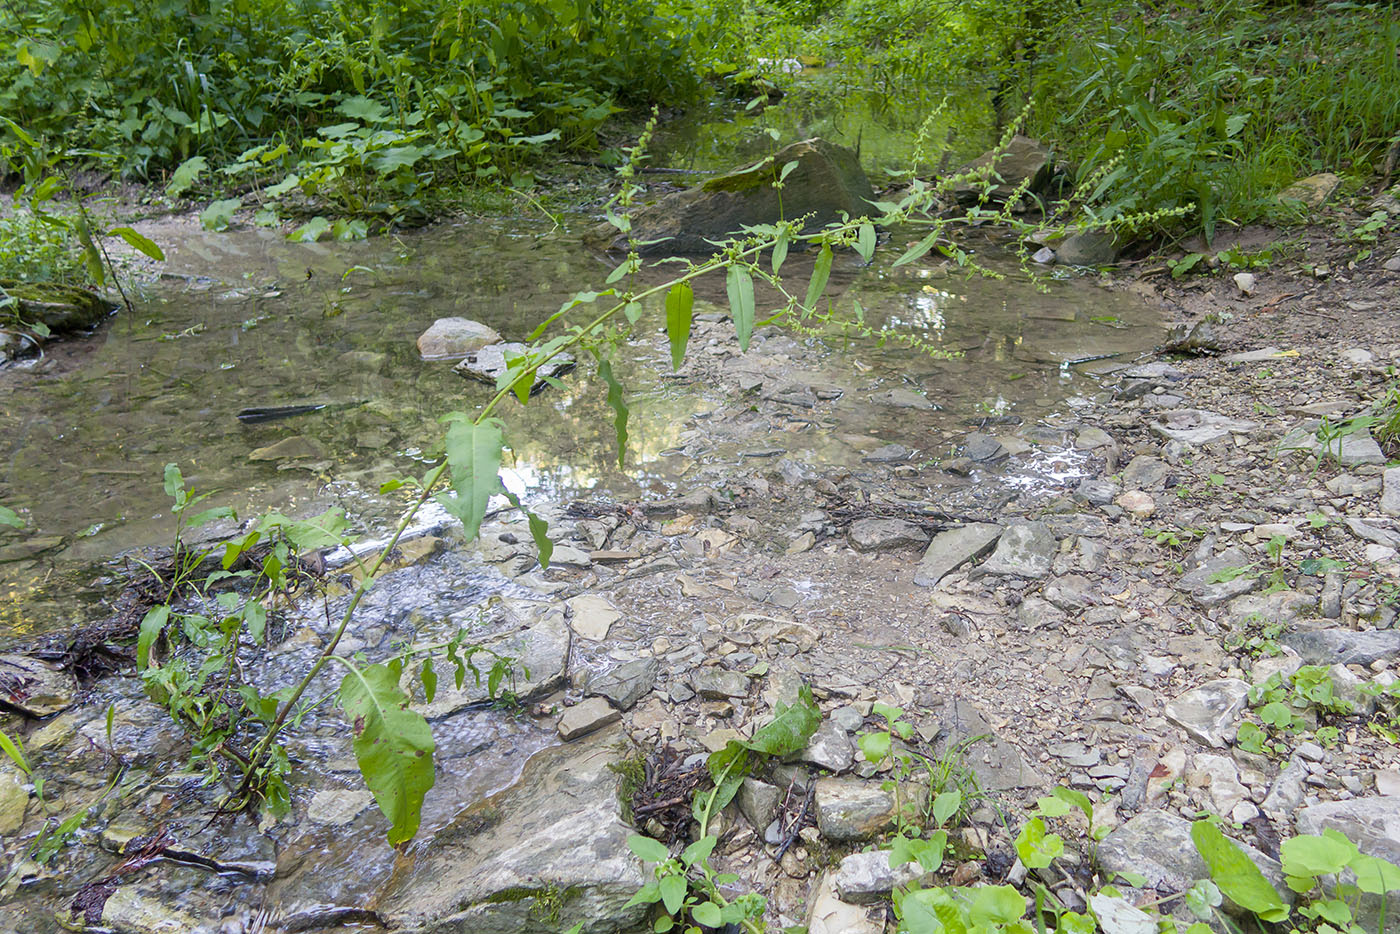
[(33, 687), (488, 365), (827, 182), (547, 853)]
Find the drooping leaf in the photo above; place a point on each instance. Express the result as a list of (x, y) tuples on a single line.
[(393, 746), (152, 624), (1037, 848), (137, 242), (945, 805), (474, 456), (219, 214), (791, 727), (739, 284), (820, 273), (917, 250), (311, 231), (539, 529), (875, 746), (997, 904), (619, 406), (1236, 875), (185, 175), (865, 241), (700, 850), (673, 892), (680, 301), (1077, 798), (708, 914), (780, 249), (1375, 876)]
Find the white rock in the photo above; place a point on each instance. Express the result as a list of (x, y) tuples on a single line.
[(1244, 281)]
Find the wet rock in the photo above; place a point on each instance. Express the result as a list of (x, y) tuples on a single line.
[(33, 687), (1343, 646), (129, 911), (888, 454), (1210, 713), (885, 535), (488, 365), (718, 684), (1390, 494), (982, 448), (534, 859), (953, 548), (535, 635), (586, 717), (1191, 338), (1198, 426), (338, 806), (454, 338), (626, 684), (827, 182), (1023, 160), (14, 800), (831, 915), (591, 616), (294, 448), (1025, 549), (866, 878), (1158, 845), (1220, 578), (829, 748), (900, 398), (850, 809), (1351, 450)]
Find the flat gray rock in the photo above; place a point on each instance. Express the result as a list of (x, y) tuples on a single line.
[(1350, 450), (1390, 492), (1145, 473), (850, 809), (953, 548), (1025, 549), (1220, 578), (626, 684), (1158, 845), (885, 535), (1000, 766), (35, 687), (546, 853), (454, 338), (1199, 426), (1343, 646), (829, 748), (982, 448), (718, 684), (1210, 713), (866, 878), (583, 718)]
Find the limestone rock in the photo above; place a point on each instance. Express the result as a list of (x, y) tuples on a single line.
[(488, 364), (829, 748), (338, 806), (866, 878), (1025, 549), (1210, 713), (828, 180), (14, 801), (1198, 426), (1023, 159), (1158, 845), (1220, 578), (296, 447), (1313, 191), (885, 535), (717, 684), (758, 801), (830, 915), (1350, 450), (590, 616), (1390, 492), (34, 687), (1220, 778), (1343, 646), (850, 809), (1000, 765), (583, 718), (626, 684), (1089, 248), (953, 548), (454, 338), (540, 856)]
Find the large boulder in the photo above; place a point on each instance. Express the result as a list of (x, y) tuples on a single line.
[(533, 859), (1023, 158), (39, 306), (827, 182)]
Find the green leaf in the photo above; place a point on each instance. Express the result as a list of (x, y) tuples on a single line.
[(1310, 855), (1076, 798), (1202, 898), (393, 745), (539, 529), (1239, 879), (791, 727), (865, 241), (137, 242), (174, 483), (219, 214), (874, 746), (185, 175), (945, 806), (648, 894), (15, 751), (474, 455), (311, 231), (647, 849), (739, 284), (1053, 806), (11, 518), (619, 406), (1037, 848), (708, 914), (255, 616), (1374, 875), (820, 273), (673, 890), (997, 904), (699, 851), (152, 624), (917, 250), (679, 308), (780, 249)]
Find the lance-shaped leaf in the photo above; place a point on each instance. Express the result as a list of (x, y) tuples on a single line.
[(739, 284), (680, 302), (138, 242), (1236, 874), (474, 457), (393, 746), (820, 273), (619, 407), (539, 529), (865, 241), (917, 250), (780, 249)]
